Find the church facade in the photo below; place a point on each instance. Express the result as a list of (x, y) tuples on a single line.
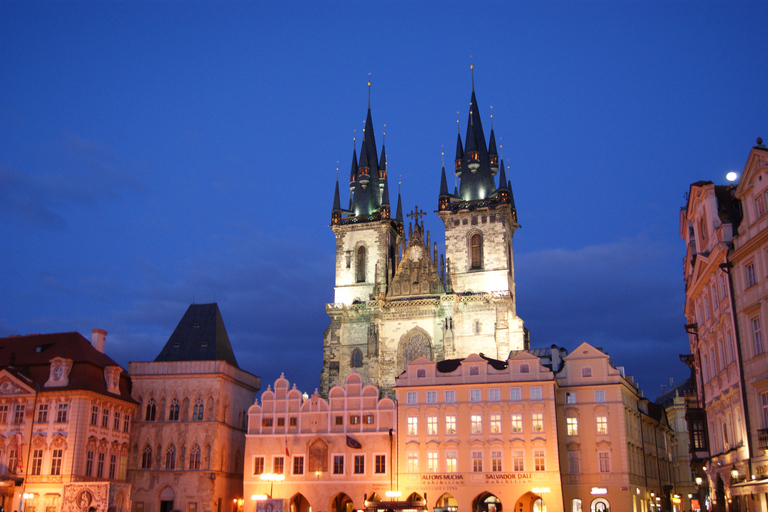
[(396, 298)]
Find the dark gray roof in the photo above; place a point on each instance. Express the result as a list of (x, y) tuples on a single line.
[(200, 336)]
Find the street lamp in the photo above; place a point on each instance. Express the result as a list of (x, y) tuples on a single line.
[(272, 478)]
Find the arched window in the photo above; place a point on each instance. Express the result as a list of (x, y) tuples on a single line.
[(197, 411), (476, 251), (151, 410), (146, 458), (170, 457), (194, 457), (173, 410), (360, 265), (357, 358)]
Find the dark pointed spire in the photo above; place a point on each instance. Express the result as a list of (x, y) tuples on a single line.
[(385, 194), (353, 171), (492, 154), (459, 155), (336, 197), (399, 210), (502, 177), (443, 184)]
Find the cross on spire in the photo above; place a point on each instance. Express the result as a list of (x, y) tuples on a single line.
[(416, 214)]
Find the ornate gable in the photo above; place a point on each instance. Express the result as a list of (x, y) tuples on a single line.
[(11, 385), (416, 273)]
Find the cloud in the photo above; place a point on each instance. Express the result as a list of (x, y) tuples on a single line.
[(71, 170)]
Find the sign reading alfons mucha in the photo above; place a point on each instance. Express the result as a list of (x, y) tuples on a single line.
[(441, 479)]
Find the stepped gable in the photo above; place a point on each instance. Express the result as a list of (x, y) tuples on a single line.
[(200, 336), (416, 274)]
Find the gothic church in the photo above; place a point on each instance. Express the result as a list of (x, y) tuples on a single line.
[(395, 299)]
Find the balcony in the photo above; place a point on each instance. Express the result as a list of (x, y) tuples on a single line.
[(762, 438)]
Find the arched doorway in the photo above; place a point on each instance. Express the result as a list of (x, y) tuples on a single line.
[(299, 503), (529, 502), (487, 502), (166, 499), (341, 503), (719, 495), (446, 503)]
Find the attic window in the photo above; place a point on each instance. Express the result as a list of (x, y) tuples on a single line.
[(524, 368), (38, 349), (176, 344), (205, 344), (421, 372), (195, 325), (474, 370), (586, 371)]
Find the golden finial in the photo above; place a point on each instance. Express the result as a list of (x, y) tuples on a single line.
[(384, 135), (492, 119), (369, 90), (501, 150), (472, 70), (337, 170), (458, 124), (442, 154)]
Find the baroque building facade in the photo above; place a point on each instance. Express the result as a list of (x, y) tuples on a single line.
[(726, 230), (65, 419), (187, 444), (397, 299)]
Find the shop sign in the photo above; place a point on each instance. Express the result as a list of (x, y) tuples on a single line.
[(507, 478), (761, 470)]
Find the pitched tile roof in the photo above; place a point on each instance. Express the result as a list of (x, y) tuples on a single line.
[(29, 356), (200, 336)]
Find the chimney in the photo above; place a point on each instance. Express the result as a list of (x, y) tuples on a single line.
[(98, 339)]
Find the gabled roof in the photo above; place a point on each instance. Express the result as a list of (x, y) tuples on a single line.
[(29, 357), (200, 336)]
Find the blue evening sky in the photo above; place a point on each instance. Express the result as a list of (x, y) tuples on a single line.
[(155, 154)]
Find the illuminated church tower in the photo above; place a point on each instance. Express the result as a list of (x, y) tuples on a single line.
[(395, 298)]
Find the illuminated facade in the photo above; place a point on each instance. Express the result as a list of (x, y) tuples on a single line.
[(726, 231), (65, 420), (187, 444), (397, 299)]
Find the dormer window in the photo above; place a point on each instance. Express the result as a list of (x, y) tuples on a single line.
[(59, 372)]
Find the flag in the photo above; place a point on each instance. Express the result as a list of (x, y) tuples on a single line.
[(353, 443)]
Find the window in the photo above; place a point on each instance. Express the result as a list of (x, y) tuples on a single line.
[(360, 265), (476, 251), (37, 461), (170, 457), (146, 458), (515, 394), (266, 422), (699, 436), (359, 465), (61, 413), (757, 336), (517, 422), (706, 308), (198, 410), (116, 425), (354, 420), (173, 410), (715, 299), (475, 395), (570, 398), (600, 395), (412, 462), (764, 403), (759, 206), (432, 462), (538, 460), (421, 373), (56, 456), (604, 459), (105, 418), (496, 462), (450, 462), (151, 410), (411, 397), (278, 465), (721, 351), (476, 424), (495, 423), (586, 371), (298, 465), (572, 426), (525, 368), (493, 395), (412, 426), (574, 463), (731, 352), (477, 462), (537, 421), (431, 425), (18, 414), (450, 425), (602, 425), (750, 270), (380, 464), (474, 370), (339, 420), (42, 413), (518, 460), (89, 463), (100, 466), (367, 419), (536, 393), (703, 229), (450, 396), (357, 358), (94, 415), (12, 460), (112, 466), (431, 397), (194, 460)]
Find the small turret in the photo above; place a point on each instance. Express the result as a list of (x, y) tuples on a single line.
[(336, 211), (459, 153), (444, 200), (353, 172), (492, 155), (363, 171), (383, 170), (385, 200)]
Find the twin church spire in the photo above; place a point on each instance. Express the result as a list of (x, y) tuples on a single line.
[(476, 166)]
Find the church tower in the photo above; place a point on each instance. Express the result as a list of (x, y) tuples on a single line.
[(395, 297)]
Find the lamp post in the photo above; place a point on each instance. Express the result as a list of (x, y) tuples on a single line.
[(272, 478)]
